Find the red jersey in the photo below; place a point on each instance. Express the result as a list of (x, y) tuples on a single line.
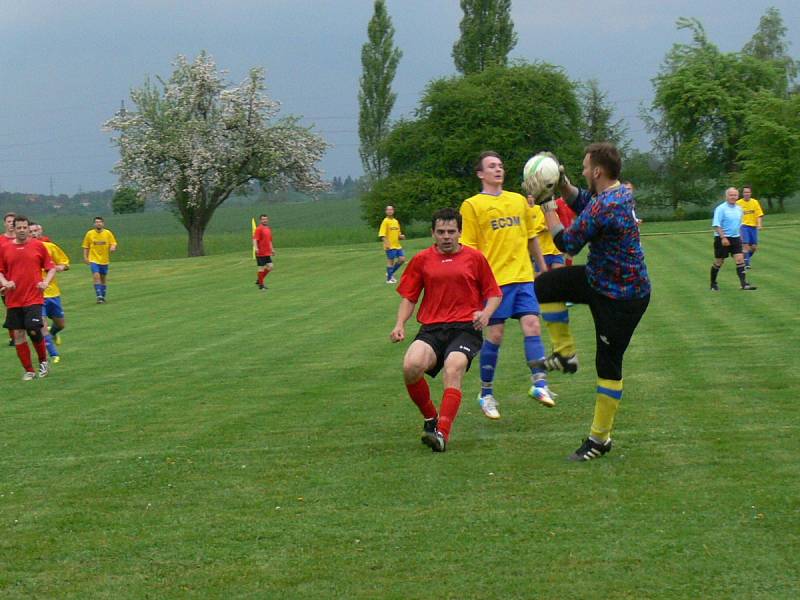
[(565, 214), (455, 285), (263, 237), (23, 264)]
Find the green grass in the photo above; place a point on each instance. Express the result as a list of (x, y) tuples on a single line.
[(201, 439)]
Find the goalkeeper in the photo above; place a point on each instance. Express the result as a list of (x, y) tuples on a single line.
[(614, 281)]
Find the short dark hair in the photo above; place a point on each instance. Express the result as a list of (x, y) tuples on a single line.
[(11, 214), (20, 219), (259, 216), (446, 214), (32, 223), (100, 219), (747, 187), (606, 156), (485, 154)]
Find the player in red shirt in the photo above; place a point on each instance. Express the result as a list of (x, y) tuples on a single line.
[(21, 264), (8, 236), (262, 245), (460, 295)]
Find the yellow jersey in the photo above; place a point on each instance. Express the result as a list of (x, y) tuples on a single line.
[(60, 258), (542, 232), (99, 243), (390, 232), (500, 227), (752, 211)]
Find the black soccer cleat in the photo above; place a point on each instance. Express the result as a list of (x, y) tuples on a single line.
[(558, 362), (429, 429), (590, 450), (748, 288), (435, 441), (714, 287)]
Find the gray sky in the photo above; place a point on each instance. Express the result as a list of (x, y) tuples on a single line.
[(65, 65)]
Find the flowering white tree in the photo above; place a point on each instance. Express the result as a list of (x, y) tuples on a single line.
[(194, 140)]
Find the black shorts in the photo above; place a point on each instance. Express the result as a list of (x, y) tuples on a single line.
[(721, 251), (263, 261), (24, 317), (445, 338)]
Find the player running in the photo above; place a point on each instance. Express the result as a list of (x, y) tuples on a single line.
[(391, 235), (752, 220), (52, 295), (262, 246), (500, 225), (21, 264), (460, 295), (98, 244)]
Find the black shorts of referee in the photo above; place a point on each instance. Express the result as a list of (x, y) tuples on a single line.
[(445, 338), (735, 247)]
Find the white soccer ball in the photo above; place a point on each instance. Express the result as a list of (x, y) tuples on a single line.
[(542, 169)]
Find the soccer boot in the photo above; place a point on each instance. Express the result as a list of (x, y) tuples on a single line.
[(429, 429), (590, 450), (436, 442), (748, 288), (559, 362), (57, 339), (44, 368), (714, 287), (29, 376), (489, 406), (56, 359), (543, 395)]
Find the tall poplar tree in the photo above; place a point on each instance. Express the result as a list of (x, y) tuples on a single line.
[(487, 35), (379, 59)]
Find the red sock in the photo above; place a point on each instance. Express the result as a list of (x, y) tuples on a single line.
[(420, 394), (41, 350), (24, 354), (451, 400), (261, 275), (265, 275)]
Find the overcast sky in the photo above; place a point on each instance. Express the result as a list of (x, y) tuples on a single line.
[(65, 65)]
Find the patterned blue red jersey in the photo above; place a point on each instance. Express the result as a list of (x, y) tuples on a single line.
[(615, 267)]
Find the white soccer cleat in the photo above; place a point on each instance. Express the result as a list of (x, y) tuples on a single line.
[(29, 376), (44, 368), (489, 406), (543, 395)]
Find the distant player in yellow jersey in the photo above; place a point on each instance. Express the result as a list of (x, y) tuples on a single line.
[(98, 244), (52, 295), (500, 225), (751, 223), (391, 235)]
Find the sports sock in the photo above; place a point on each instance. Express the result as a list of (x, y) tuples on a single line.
[(261, 275), (488, 361), (266, 272), (714, 272), (98, 290), (747, 257), (51, 345), (396, 268), (451, 400), (420, 395), (740, 273), (556, 318), (24, 354), (55, 330), (534, 354), (41, 349), (389, 271), (609, 394), (103, 288)]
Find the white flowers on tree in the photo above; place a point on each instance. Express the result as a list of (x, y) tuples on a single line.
[(194, 140)]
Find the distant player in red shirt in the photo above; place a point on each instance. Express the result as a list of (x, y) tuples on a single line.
[(8, 236), (262, 244), (21, 264), (566, 215), (460, 295)]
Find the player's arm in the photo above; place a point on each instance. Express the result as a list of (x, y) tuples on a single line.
[(470, 236), (722, 237), (404, 312), (112, 242), (5, 283), (535, 252), (42, 285)]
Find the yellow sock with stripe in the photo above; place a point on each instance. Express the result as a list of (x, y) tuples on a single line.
[(609, 393), (556, 318)]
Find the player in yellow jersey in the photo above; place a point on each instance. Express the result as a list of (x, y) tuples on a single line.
[(98, 244), (751, 223), (52, 295), (500, 225), (391, 235)]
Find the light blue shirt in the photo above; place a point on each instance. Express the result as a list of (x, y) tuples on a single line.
[(728, 217)]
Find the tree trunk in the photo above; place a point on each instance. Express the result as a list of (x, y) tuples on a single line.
[(196, 231), (769, 202)]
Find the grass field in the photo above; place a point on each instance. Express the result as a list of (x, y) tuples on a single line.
[(201, 439)]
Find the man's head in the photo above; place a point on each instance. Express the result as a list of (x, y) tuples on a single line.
[(35, 230), (747, 192), (731, 195), (489, 169), (99, 223), (390, 211), (629, 186), (8, 222), (601, 166), (21, 228), (446, 229), (263, 219)]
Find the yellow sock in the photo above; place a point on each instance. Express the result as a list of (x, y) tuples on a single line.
[(609, 393), (556, 318)]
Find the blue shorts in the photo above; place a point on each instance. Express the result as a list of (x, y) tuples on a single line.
[(52, 308), (394, 253), (749, 235), (519, 300), (550, 260), (98, 268)]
